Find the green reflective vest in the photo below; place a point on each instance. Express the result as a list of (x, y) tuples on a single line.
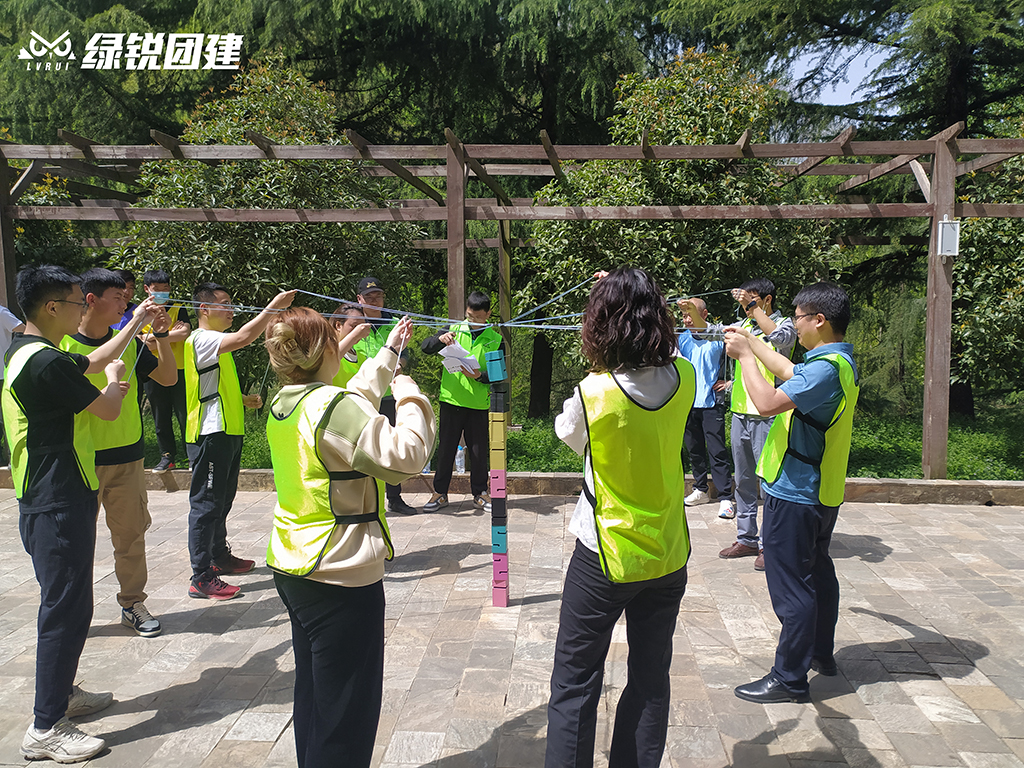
[(741, 402), (462, 390), (229, 393), (304, 519), (639, 483), (367, 348), (346, 371), (838, 432), (126, 429), (16, 426)]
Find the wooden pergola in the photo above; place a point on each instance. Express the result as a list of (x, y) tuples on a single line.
[(457, 162)]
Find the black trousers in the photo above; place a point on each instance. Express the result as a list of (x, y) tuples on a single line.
[(62, 545), (338, 642), (802, 584), (387, 408), (591, 604), (215, 461), (454, 421), (166, 402), (704, 438)]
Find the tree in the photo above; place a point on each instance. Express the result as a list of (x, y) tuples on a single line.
[(256, 260), (943, 60), (706, 98)]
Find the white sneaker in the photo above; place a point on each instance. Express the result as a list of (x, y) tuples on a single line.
[(695, 498), (83, 703), (726, 511), (63, 743)]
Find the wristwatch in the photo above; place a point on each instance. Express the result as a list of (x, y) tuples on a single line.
[(751, 305)]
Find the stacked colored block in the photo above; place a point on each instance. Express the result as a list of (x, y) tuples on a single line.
[(498, 429)]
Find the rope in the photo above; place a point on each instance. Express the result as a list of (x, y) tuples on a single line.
[(549, 301)]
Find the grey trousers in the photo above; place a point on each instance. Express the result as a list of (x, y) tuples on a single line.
[(748, 437)]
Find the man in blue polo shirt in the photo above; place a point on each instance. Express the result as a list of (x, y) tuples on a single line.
[(803, 469), (704, 436)]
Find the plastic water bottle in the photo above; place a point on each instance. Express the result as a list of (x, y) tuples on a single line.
[(460, 460)]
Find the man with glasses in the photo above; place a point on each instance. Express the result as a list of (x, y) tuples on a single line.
[(45, 393), (803, 468), (370, 294)]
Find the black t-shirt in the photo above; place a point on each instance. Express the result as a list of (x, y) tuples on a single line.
[(147, 363), (52, 388)]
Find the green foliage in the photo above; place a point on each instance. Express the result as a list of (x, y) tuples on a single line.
[(536, 448), (49, 242), (706, 98), (988, 283), (254, 260)]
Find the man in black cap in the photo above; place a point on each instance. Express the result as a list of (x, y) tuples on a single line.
[(370, 294)]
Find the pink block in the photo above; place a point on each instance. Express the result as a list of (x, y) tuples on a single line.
[(497, 483), (499, 596), (500, 562)]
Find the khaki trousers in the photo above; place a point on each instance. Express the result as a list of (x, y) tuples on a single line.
[(123, 496)]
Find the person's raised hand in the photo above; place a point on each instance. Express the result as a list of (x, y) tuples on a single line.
[(161, 321), (447, 338), (283, 300), (114, 370), (400, 334), (737, 345)]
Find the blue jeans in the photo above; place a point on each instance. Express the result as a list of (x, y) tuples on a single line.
[(591, 604)]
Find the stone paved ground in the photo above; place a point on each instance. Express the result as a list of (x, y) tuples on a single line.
[(929, 646)]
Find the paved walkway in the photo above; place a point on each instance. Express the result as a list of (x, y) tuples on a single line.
[(929, 645)]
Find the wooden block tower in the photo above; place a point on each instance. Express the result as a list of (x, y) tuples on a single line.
[(498, 416)]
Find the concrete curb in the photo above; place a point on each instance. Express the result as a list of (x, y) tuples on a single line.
[(864, 489)]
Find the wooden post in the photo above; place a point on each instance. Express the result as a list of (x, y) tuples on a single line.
[(8, 262), (939, 316), (505, 285), (456, 202)]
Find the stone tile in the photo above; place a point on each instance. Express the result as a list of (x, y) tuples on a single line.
[(918, 749), (258, 726), (971, 737), (989, 760), (901, 718), (857, 734), (945, 709), (984, 697), (414, 747)]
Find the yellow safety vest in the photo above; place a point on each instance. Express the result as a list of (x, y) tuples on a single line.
[(462, 390), (838, 433), (639, 483), (741, 402), (346, 371), (229, 392), (304, 519), (126, 429), (16, 426), (368, 347)]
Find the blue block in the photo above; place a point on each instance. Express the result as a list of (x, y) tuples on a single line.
[(496, 365), (499, 539)]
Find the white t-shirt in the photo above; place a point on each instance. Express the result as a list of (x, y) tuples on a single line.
[(8, 322), (207, 346)]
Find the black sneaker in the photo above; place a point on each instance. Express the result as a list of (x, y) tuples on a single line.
[(166, 463), (399, 507)]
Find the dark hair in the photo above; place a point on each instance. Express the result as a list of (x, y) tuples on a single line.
[(478, 300), (155, 276), (98, 280), (204, 293), (762, 286), (37, 285), (827, 299), (627, 323), (343, 311), (296, 340), (126, 274)]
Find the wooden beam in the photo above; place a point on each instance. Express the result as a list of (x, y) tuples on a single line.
[(168, 142), (984, 163), (505, 287), (486, 242), (853, 240), (842, 141), (456, 233), (78, 188), (28, 176), (949, 134), (363, 147), (743, 144), (938, 318), (261, 141), (986, 146), (922, 180), (80, 142), (89, 170), (645, 146), (552, 155), (478, 169), (103, 242), (989, 211), (483, 213)]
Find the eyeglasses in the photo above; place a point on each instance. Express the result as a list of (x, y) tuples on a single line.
[(82, 304), (797, 315)]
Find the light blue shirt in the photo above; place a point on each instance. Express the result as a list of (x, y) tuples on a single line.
[(815, 390), (705, 351)]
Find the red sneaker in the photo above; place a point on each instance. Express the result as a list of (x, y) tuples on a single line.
[(212, 588), (231, 565)]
